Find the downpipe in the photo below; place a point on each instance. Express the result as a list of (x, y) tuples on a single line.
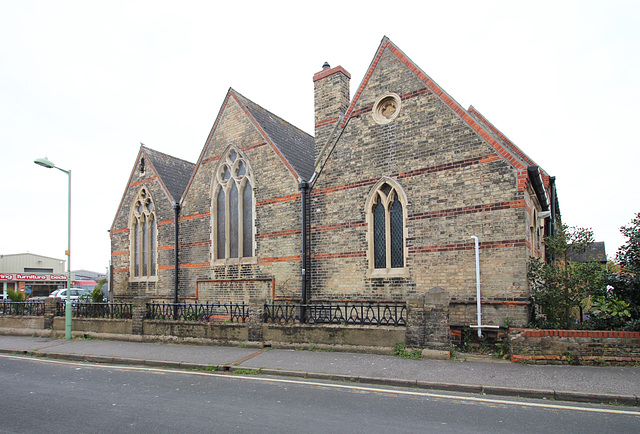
[(176, 219), (478, 304), (304, 186)]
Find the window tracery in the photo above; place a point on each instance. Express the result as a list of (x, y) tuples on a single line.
[(386, 216), (233, 213), (144, 236)]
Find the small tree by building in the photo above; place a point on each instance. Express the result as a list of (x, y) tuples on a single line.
[(624, 282), (563, 290)]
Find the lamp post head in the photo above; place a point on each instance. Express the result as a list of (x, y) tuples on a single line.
[(44, 163)]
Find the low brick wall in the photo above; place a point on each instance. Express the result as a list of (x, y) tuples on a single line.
[(21, 322), (333, 336), (93, 326), (378, 339), (427, 320), (211, 331), (574, 346)]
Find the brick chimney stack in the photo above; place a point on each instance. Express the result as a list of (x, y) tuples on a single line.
[(331, 99)]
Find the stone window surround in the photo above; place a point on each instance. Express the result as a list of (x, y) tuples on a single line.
[(215, 188), (381, 273), (152, 254), (377, 111)]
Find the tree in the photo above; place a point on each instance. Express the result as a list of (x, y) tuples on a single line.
[(96, 295), (625, 282), (562, 290)]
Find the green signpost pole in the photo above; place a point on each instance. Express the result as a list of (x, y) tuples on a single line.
[(49, 165)]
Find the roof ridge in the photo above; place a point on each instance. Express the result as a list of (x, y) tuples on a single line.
[(165, 154), (171, 173), (270, 112), (292, 151)]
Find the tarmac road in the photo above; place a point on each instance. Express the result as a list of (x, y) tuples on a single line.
[(45, 395), (572, 383)]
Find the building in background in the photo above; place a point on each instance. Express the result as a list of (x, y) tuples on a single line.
[(38, 276)]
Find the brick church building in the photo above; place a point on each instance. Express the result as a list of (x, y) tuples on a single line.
[(380, 204)]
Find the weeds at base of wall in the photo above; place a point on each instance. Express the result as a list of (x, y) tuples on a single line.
[(571, 359), (503, 347), (454, 355), (399, 350), (314, 348)]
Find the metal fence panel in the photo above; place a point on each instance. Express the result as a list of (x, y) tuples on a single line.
[(96, 310), (22, 308), (390, 314), (232, 312)]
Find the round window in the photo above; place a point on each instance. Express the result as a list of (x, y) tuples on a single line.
[(386, 108)]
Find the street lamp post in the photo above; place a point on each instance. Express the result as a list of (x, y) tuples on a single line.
[(48, 164)]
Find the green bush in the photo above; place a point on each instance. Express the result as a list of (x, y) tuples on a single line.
[(399, 350), (16, 296), (96, 295)]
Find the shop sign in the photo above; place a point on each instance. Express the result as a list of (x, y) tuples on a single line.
[(30, 276), (33, 277)]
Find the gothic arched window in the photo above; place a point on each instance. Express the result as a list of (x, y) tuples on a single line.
[(386, 216), (144, 236), (232, 208)]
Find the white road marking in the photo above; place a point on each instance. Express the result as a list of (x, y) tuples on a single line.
[(350, 387)]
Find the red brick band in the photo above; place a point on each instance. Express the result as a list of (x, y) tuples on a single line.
[(279, 259), (501, 244), (534, 333), (279, 233), (468, 210), (417, 172), (142, 181)]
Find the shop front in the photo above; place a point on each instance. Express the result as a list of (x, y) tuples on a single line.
[(32, 284)]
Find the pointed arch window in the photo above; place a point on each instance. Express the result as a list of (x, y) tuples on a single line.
[(233, 213), (386, 217), (144, 237)]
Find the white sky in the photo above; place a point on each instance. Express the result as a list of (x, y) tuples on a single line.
[(84, 82)]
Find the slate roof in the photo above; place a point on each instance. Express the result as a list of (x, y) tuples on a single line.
[(594, 253), (296, 146), (173, 172)]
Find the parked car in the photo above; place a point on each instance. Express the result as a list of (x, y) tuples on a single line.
[(62, 293), (54, 293)]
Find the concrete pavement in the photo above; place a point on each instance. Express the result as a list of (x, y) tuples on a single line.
[(483, 375)]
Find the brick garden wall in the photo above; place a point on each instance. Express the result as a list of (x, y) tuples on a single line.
[(574, 346)]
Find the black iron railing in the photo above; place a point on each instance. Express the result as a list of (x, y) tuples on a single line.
[(80, 309), (23, 308), (391, 314), (230, 312)]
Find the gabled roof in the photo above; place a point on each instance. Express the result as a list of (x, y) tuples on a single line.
[(292, 145), (295, 146), (504, 148), (173, 172)]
